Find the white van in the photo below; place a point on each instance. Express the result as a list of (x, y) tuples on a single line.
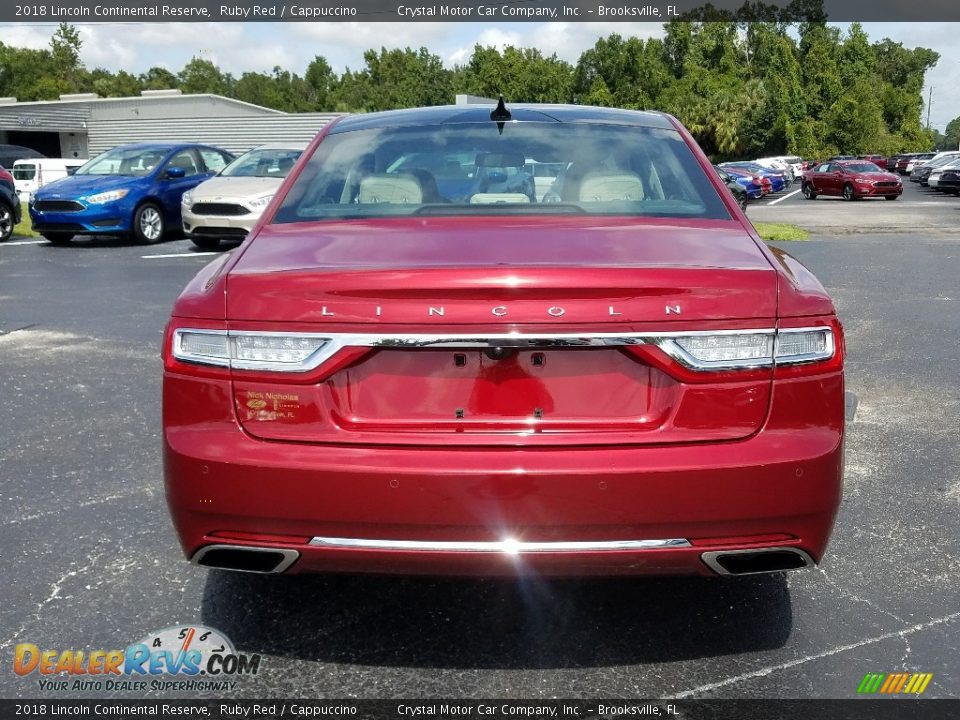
[(32, 174)]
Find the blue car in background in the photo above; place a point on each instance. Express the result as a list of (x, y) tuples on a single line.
[(777, 179), (131, 190), (748, 181)]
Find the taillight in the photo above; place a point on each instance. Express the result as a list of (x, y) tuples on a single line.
[(696, 355), (803, 345), (738, 349), (276, 352)]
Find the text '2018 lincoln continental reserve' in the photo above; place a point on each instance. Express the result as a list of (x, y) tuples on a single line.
[(535, 339)]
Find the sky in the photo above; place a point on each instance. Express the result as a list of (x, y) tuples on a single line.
[(244, 47)]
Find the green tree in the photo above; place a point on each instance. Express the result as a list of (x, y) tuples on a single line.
[(634, 72), (519, 74), (395, 79), (952, 135), (65, 53), (158, 78), (121, 84), (599, 94), (322, 81), (29, 74), (202, 76)]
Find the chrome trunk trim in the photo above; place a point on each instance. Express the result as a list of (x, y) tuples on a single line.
[(506, 547)]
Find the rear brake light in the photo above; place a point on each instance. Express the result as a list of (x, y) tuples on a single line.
[(303, 352), (278, 352), (726, 349), (803, 345)]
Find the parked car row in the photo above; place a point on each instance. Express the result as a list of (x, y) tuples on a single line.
[(146, 190), (941, 174), (904, 163), (757, 179), (930, 172)]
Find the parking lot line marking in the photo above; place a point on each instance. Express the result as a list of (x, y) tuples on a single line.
[(763, 672), (774, 202), (172, 255), (23, 242)]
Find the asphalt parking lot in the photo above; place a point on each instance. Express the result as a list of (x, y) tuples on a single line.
[(90, 560)]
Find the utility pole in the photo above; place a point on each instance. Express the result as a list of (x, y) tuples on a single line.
[(929, 102)]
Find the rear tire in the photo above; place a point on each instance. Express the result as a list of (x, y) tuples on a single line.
[(6, 222), (808, 192), (58, 238), (148, 225), (206, 243)]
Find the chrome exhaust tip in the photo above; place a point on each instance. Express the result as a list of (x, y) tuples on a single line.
[(757, 561), (243, 558)]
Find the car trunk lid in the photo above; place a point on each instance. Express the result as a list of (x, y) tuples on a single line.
[(473, 284)]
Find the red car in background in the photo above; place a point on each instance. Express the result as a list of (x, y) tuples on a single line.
[(879, 160), (851, 180), (417, 364), (9, 205)]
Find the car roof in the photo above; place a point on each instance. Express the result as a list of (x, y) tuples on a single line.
[(281, 146), (451, 114), (165, 146)]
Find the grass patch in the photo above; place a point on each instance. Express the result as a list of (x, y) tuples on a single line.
[(23, 229), (781, 231)]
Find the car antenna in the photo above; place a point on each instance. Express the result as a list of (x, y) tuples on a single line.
[(500, 115)]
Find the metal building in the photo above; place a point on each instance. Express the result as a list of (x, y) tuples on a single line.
[(82, 126)]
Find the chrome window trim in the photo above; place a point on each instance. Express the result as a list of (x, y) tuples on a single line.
[(334, 342), (505, 547)]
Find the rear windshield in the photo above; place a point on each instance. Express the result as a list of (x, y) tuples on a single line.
[(522, 168), (264, 162), (24, 172)]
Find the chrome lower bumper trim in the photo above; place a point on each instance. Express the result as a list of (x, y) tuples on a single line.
[(506, 547)]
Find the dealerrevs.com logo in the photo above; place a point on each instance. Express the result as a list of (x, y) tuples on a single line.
[(189, 658)]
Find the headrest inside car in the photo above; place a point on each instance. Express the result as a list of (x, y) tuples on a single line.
[(393, 188)]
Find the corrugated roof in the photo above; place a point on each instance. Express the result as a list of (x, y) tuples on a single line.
[(236, 134)]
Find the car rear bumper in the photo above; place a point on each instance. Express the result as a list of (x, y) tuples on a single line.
[(397, 509)]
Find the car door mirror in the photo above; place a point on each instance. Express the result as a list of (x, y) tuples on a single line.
[(175, 172)]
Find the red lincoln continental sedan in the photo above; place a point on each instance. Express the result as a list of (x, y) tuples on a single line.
[(425, 359)]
